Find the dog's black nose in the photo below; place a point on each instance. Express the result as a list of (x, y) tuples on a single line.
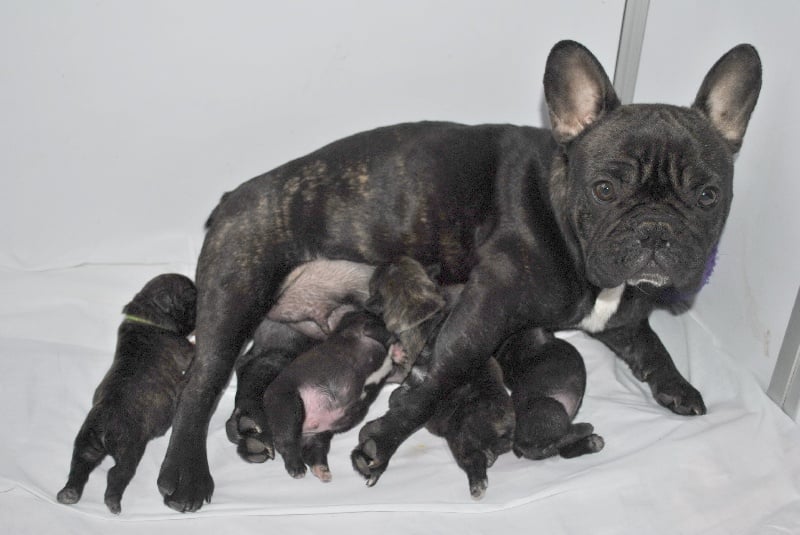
[(654, 234)]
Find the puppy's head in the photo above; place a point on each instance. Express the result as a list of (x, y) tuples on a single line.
[(404, 295), (361, 324), (642, 191), (168, 301)]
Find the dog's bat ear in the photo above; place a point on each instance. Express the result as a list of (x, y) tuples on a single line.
[(730, 91), (163, 301), (434, 271), (577, 90), (413, 314), (374, 305)]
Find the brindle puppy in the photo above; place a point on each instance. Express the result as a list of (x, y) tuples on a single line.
[(477, 418), (136, 399), (327, 390)]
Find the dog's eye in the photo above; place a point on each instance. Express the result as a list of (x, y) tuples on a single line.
[(603, 191), (708, 197)]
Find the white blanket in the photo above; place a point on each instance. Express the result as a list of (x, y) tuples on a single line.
[(735, 470)]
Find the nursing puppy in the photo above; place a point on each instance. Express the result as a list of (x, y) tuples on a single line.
[(136, 399), (547, 378), (477, 418), (326, 390), (590, 225), (311, 302)]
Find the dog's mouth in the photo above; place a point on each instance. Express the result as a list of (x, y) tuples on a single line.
[(652, 274), (644, 268)]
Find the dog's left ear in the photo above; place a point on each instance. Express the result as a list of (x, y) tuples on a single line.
[(730, 91), (577, 90), (164, 302)]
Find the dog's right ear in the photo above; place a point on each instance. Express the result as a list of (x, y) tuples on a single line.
[(413, 313), (577, 90)]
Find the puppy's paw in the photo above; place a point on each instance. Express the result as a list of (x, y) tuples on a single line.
[(322, 472), (295, 468), (114, 504), (68, 496), (679, 396), (184, 480), (582, 446), (477, 488)]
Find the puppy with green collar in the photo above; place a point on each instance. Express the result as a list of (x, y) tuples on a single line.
[(136, 400)]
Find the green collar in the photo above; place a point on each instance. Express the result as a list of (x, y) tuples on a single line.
[(136, 319)]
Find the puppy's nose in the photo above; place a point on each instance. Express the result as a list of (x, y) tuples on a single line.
[(654, 234)]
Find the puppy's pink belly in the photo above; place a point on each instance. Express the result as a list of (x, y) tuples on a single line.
[(321, 413)]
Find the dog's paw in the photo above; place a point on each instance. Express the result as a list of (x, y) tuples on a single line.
[(594, 443), (295, 468), (679, 396), (477, 488), (68, 496), (322, 472), (185, 481), (248, 430), (582, 446), (368, 461), (114, 504)]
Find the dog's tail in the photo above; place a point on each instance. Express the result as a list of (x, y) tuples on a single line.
[(210, 219)]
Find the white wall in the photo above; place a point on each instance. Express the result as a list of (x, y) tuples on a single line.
[(123, 122), (747, 304)]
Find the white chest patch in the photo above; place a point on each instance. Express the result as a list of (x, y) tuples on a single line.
[(379, 375), (605, 305)]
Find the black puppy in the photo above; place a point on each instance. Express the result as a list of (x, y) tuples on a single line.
[(477, 418), (136, 399), (547, 378), (585, 226), (311, 301), (275, 346), (326, 390)]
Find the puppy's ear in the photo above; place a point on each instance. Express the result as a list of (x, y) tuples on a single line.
[(730, 91), (577, 90), (434, 271), (407, 315), (377, 331), (374, 305), (163, 301)]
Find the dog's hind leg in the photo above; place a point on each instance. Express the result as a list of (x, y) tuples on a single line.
[(285, 416), (235, 287), (547, 378), (315, 454), (581, 443), (127, 459), (87, 454), (474, 463)]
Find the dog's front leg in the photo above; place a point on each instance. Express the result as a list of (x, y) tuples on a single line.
[(640, 347), (486, 313)]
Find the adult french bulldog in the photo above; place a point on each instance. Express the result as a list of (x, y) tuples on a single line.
[(584, 226)]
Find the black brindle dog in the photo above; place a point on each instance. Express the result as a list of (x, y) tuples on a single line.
[(588, 225)]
